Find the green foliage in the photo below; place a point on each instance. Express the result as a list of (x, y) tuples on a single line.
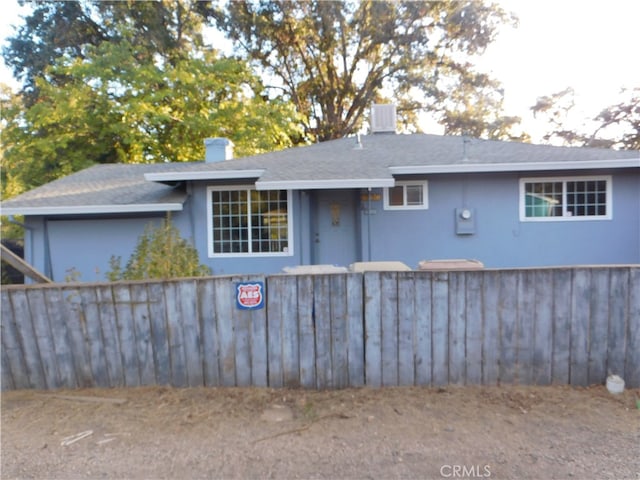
[(132, 95), (68, 29), (160, 253), (334, 59), (12, 235), (475, 109)]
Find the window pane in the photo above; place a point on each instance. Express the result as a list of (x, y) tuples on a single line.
[(396, 196), (543, 199), (249, 221), (414, 195), (272, 221), (586, 198), (229, 221)]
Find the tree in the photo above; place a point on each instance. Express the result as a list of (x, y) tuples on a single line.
[(334, 59), (476, 111), (622, 120), (122, 101), (160, 253), (68, 29), (555, 109), (617, 126)]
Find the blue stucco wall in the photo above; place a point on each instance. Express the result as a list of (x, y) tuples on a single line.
[(298, 246), (81, 247), (501, 240)]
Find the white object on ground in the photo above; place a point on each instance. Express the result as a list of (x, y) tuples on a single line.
[(615, 384)]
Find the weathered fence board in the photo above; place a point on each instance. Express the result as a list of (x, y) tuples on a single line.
[(58, 327), (259, 354), (474, 328), (355, 331), (142, 332), (542, 329), (388, 295), (538, 326), (225, 298), (107, 322), (598, 325), (525, 321), (561, 345), (21, 367), (372, 330), (457, 328), (177, 356), (96, 348), (306, 331), (508, 316), (618, 321), (422, 328), (77, 335), (159, 335), (440, 328), (289, 334), (187, 292), (209, 337), (338, 333), (406, 328), (44, 338), (491, 340), (322, 319), (126, 334), (580, 314)]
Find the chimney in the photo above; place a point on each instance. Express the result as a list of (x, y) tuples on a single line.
[(218, 149), (383, 118)]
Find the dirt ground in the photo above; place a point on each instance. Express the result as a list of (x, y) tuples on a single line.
[(453, 432)]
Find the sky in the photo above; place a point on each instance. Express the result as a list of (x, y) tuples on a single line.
[(591, 46)]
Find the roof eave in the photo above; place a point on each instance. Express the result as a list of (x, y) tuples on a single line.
[(471, 167), (203, 175), (92, 209), (325, 184)]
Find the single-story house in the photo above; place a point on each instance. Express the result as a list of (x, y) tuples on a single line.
[(376, 197)]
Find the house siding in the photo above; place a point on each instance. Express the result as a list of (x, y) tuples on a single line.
[(298, 247), (501, 240), (80, 247)]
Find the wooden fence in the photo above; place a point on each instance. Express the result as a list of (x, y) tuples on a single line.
[(535, 326)]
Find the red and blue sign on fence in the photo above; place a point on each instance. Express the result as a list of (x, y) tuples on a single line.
[(250, 296)]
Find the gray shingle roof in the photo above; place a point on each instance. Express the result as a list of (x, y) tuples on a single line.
[(332, 164), (101, 189)]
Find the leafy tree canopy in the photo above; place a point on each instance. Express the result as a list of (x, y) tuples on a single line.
[(134, 98), (334, 59), (55, 29)]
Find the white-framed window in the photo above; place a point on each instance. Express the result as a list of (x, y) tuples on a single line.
[(565, 198), (406, 195), (242, 221)]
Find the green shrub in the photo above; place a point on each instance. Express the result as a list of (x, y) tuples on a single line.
[(160, 253)]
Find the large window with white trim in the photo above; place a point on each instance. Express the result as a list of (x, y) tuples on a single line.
[(406, 195), (244, 221), (565, 198)]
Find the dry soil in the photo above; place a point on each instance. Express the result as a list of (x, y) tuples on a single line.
[(453, 432)]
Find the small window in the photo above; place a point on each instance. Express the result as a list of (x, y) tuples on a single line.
[(567, 198), (406, 196), (248, 222)]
